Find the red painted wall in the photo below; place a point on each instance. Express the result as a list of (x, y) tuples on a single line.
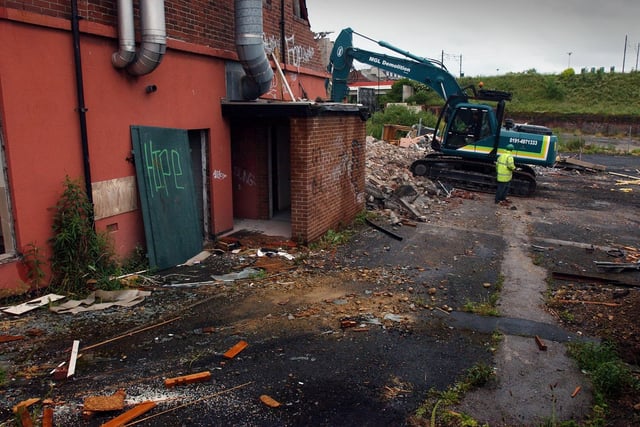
[(38, 103)]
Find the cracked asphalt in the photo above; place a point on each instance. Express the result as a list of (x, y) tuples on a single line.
[(353, 335)]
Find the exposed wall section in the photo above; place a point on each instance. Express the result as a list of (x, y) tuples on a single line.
[(328, 174)]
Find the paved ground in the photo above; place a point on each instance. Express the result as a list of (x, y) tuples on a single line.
[(355, 335)]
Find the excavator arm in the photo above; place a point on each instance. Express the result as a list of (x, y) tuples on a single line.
[(430, 72)]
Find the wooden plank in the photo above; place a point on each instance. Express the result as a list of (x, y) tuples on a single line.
[(47, 417), (541, 345), (237, 348), (9, 338), (24, 416), (73, 358), (187, 379), (130, 415), (576, 391), (583, 164), (114, 196), (25, 404)]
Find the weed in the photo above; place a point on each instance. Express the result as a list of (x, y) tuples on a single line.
[(566, 316), (34, 261), (333, 238), (476, 376), (259, 275), (609, 375), (483, 308), (79, 253), (479, 375), (538, 259), (136, 261)]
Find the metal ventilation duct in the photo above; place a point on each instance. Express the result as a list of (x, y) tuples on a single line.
[(154, 37), (126, 35), (250, 48)]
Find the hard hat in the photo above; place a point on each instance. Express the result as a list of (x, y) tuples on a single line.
[(509, 147)]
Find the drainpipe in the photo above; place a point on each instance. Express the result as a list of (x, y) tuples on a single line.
[(250, 47), (126, 35), (283, 40), (82, 110), (154, 38)]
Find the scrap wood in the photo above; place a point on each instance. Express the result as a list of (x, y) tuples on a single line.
[(630, 177), (101, 299), (269, 401), (196, 259), (25, 417), (183, 405), (130, 415), (187, 379), (576, 391), (582, 164), (541, 345), (115, 402), (25, 404), (575, 301), (9, 338), (237, 348), (377, 227), (73, 358), (131, 333), (410, 208), (33, 304), (47, 416), (590, 279)]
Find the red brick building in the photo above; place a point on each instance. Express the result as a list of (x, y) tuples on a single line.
[(176, 117)]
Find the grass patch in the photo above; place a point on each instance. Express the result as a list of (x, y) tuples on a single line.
[(437, 407), (610, 376), (486, 307)]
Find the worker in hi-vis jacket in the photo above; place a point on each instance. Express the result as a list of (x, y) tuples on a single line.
[(505, 166)]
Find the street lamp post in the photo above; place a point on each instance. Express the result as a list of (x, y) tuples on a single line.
[(569, 64)]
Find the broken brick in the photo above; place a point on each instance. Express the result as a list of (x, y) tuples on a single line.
[(237, 348), (187, 379), (105, 403), (541, 345)]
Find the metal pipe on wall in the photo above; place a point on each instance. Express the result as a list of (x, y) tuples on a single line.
[(82, 110), (250, 47)]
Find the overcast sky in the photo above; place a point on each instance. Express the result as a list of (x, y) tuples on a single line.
[(493, 36)]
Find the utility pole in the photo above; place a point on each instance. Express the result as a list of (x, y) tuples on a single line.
[(637, 51), (569, 63), (624, 55)]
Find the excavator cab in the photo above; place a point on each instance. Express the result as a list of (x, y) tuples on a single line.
[(467, 125)]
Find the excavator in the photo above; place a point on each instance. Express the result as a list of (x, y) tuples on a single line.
[(471, 131)]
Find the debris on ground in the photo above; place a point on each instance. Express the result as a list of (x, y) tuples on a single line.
[(577, 164), (32, 305)]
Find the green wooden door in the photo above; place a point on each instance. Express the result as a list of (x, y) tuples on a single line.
[(167, 195)]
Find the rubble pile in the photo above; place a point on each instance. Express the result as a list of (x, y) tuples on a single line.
[(391, 187)]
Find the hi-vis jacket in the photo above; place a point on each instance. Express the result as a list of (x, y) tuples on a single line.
[(504, 167)]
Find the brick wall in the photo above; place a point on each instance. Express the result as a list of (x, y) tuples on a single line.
[(327, 174), (201, 22)]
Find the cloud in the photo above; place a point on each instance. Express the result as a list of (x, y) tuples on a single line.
[(510, 36)]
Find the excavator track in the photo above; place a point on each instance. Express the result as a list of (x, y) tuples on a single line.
[(473, 175)]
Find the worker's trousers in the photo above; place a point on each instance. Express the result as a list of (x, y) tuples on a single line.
[(502, 191)]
